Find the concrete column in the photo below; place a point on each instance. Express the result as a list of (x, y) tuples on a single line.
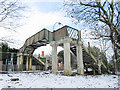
[(80, 66), (21, 62), (54, 57), (18, 63), (67, 58), (30, 63), (99, 67), (46, 66), (27, 64)]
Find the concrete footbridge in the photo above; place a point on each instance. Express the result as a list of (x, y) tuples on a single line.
[(67, 37)]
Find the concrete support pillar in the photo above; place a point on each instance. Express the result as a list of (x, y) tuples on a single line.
[(21, 62), (18, 62), (54, 57), (80, 66), (30, 63), (99, 67), (67, 59), (46, 66), (27, 64)]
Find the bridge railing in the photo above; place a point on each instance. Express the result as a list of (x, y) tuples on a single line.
[(72, 33), (85, 43)]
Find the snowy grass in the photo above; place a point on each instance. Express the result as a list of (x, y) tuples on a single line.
[(48, 80)]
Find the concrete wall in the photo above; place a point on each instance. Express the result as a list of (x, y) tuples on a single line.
[(34, 67), (3, 67)]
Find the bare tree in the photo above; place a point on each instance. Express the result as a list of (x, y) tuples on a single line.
[(10, 13), (100, 15)]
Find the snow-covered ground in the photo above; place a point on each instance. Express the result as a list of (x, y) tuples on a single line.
[(41, 79)]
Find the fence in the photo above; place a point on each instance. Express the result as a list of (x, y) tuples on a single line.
[(8, 61)]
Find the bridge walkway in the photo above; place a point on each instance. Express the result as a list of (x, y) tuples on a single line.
[(45, 36)]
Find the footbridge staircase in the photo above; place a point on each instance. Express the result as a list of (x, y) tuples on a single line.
[(38, 60)]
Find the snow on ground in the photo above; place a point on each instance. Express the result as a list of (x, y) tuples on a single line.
[(47, 80)]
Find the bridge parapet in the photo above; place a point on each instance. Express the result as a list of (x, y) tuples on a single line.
[(44, 37)]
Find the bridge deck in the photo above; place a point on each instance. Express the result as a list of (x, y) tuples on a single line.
[(44, 37)]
